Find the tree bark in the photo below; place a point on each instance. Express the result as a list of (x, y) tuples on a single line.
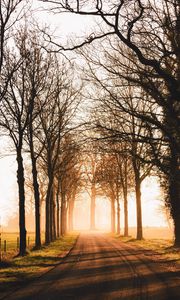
[(36, 187), (174, 195), (177, 230), (37, 211), (93, 207), (21, 180), (63, 215), (65, 220), (47, 225), (118, 217), (139, 234), (126, 227), (71, 211), (53, 204), (51, 215), (112, 215), (57, 212)]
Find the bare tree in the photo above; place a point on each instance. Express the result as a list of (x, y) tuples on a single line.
[(126, 178), (108, 179), (10, 13), (126, 130), (90, 167), (151, 30), (75, 189), (38, 72), (14, 120), (56, 120), (115, 121), (69, 178)]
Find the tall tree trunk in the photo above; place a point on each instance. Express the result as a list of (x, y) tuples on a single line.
[(35, 183), (47, 209), (118, 216), (54, 216), (70, 212), (51, 215), (126, 227), (65, 221), (63, 215), (176, 218), (112, 215), (57, 211), (93, 207), (174, 196), (37, 212), (37, 201), (20, 180), (139, 234)]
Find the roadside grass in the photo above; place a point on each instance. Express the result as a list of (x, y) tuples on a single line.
[(17, 271), (164, 248), (156, 239), (11, 239)]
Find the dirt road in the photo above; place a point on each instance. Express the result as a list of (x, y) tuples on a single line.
[(100, 267)]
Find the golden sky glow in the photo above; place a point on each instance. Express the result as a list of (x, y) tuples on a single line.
[(151, 196)]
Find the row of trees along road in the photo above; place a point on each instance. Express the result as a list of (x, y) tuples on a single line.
[(143, 51), (37, 112), (113, 182), (134, 79)]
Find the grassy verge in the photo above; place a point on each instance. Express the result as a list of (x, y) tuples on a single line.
[(12, 243), (161, 246), (17, 271)]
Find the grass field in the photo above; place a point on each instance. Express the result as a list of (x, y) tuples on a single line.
[(14, 272), (10, 243), (154, 233), (158, 239)]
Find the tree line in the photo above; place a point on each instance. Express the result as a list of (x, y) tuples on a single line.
[(39, 101), (133, 83), (137, 48)]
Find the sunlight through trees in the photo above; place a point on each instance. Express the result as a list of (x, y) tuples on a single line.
[(93, 116)]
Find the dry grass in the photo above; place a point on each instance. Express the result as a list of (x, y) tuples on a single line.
[(154, 233), (159, 240), (15, 272), (12, 243)]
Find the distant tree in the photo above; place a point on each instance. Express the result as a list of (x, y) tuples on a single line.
[(56, 120), (126, 178), (114, 121), (152, 33), (90, 167), (69, 178), (108, 179), (119, 152), (38, 72), (75, 189), (125, 131)]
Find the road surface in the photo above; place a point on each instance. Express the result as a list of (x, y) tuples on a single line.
[(99, 267)]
